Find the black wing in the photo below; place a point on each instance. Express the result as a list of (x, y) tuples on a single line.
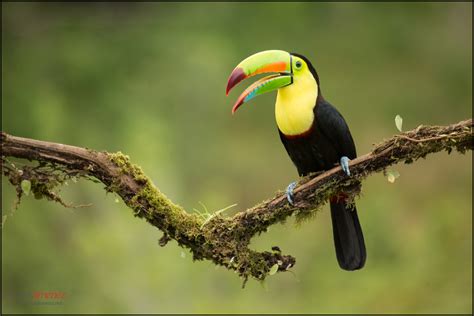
[(333, 126)]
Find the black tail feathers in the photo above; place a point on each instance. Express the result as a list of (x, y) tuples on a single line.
[(348, 237)]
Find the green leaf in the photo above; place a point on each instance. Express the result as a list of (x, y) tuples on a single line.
[(26, 186), (273, 269), (392, 175), (399, 122)]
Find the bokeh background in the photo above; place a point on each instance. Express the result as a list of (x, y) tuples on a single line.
[(148, 79)]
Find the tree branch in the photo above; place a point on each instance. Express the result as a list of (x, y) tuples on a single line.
[(223, 240)]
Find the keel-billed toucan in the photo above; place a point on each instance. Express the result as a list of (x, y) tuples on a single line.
[(313, 132)]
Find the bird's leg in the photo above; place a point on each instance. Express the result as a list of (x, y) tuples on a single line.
[(345, 165), (289, 192)]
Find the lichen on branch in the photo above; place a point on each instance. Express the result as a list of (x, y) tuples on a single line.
[(222, 240)]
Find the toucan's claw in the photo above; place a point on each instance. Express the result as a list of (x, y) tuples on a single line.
[(289, 192), (345, 165)]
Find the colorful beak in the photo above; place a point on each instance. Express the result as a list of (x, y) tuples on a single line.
[(277, 62)]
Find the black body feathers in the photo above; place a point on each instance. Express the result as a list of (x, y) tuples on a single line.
[(321, 149)]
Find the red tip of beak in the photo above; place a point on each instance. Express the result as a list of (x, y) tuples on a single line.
[(239, 102), (235, 77)]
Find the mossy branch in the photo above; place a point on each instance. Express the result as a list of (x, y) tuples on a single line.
[(223, 240)]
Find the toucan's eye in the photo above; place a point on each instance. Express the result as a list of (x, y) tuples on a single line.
[(298, 64)]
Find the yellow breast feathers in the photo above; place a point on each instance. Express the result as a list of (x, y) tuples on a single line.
[(294, 105)]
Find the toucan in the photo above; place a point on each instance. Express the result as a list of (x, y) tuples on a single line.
[(313, 132)]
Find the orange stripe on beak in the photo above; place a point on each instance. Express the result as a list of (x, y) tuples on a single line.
[(239, 74), (278, 66)]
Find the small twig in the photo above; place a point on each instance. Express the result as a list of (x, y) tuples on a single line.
[(423, 139)]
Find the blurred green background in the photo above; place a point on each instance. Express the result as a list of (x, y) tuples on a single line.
[(149, 79)]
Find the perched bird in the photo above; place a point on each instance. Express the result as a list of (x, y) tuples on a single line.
[(313, 132)]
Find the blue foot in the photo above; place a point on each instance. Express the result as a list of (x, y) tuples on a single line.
[(345, 165), (289, 192)]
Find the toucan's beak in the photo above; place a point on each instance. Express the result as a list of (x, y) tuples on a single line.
[(269, 61)]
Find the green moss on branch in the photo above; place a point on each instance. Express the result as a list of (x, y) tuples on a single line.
[(222, 240)]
